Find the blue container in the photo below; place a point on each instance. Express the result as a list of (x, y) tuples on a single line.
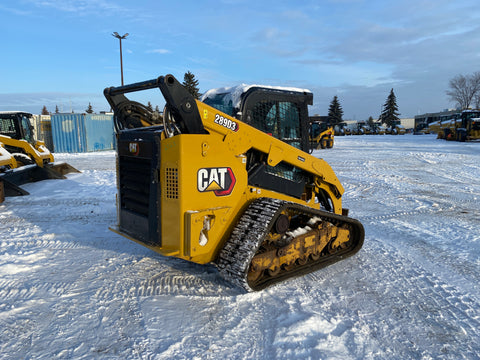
[(82, 132)]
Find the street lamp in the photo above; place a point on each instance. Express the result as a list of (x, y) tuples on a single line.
[(115, 34)]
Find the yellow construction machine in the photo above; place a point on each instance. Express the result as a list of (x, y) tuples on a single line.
[(7, 163), (239, 190), (321, 135), (25, 158), (465, 128), (7, 160)]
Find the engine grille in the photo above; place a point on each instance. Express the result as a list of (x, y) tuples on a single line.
[(135, 184)]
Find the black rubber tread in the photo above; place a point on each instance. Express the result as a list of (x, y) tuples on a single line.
[(234, 259), (23, 159)]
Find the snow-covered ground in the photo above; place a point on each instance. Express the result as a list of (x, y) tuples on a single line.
[(72, 289)]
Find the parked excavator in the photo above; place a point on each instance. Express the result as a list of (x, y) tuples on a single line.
[(25, 159), (229, 181)]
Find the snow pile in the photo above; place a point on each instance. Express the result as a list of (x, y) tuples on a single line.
[(70, 288), (233, 95)]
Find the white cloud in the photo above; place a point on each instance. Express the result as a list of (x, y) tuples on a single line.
[(159, 51), (80, 7)]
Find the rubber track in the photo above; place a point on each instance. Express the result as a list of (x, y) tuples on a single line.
[(235, 257), (253, 227)]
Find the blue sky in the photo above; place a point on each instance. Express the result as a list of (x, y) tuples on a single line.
[(62, 52)]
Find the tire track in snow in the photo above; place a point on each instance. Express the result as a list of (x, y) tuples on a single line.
[(14, 290), (166, 276), (99, 213), (41, 243), (243, 327), (400, 214), (405, 294), (175, 283)]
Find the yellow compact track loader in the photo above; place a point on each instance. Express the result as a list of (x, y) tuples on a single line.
[(28, 159), (244, 193)]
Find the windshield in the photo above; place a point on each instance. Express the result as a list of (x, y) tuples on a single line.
[(221, 102), (472, 114), (317, 128), (27, 129)]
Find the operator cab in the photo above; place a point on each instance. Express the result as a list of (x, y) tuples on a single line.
[(470, 120), (277, 111), (317, 128), (17, 125)]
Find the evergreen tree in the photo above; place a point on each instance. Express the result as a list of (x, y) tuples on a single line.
[(389, 115), (56, 109), (150, 106), (89, 109), (45, 111), (371, 123), (335, 112), (191, 84)]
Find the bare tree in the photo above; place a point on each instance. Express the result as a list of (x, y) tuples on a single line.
[(477, 101), (476, 98), (463, 89)]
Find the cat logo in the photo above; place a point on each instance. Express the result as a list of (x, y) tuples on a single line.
[(134, 148), (219, 180)]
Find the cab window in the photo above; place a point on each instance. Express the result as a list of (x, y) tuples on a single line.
[(27, 129)]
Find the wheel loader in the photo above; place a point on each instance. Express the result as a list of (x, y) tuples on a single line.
[(28, 159), (465, 128), (231, 184)]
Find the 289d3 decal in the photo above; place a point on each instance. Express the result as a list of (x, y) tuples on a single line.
[(225, 122)]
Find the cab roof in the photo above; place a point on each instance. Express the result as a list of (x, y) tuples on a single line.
[(15, 113), (235, 93)]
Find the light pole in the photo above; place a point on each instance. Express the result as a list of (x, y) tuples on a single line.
[(115, 34)]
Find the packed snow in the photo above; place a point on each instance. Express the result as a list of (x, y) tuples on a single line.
[(72, 289)]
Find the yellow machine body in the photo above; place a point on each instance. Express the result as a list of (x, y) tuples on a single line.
[(24, 159), (196, 168), (7, 161), (464, 126), (38, 152), (322, 136), (186, 188)]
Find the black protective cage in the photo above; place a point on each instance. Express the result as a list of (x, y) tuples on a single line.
[(264, 108)]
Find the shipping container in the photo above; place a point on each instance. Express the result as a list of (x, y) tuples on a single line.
[(82, 132), (43, 130)]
